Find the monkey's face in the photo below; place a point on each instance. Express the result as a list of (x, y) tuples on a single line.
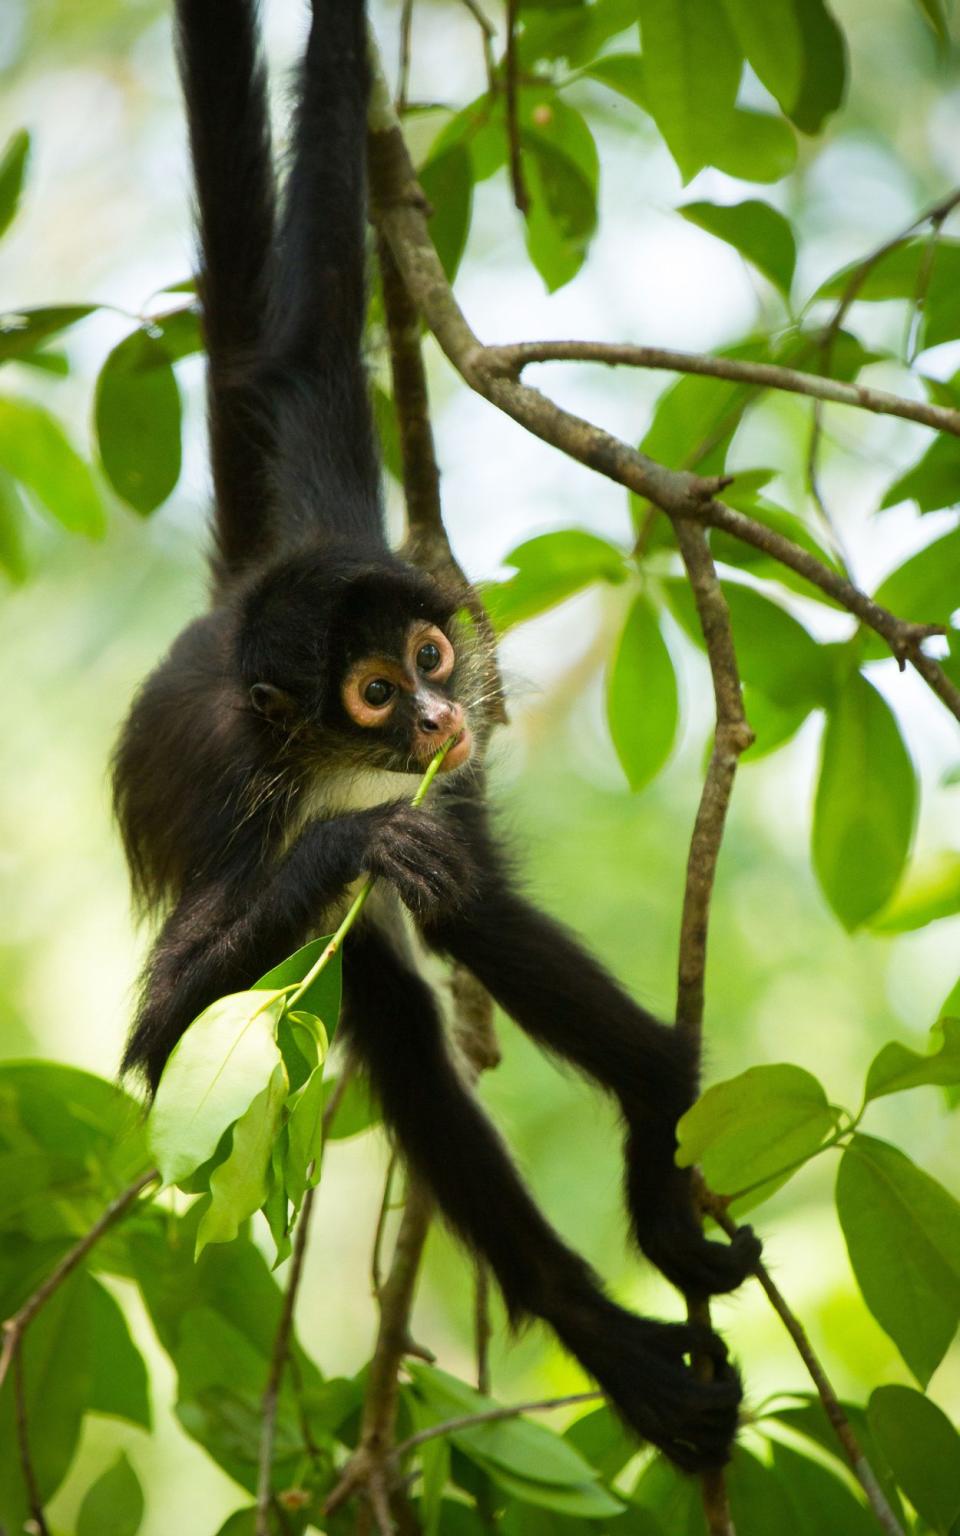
[(403, 695)]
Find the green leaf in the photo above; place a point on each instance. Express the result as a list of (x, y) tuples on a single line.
[(755, 146), (388, 432), (572, 32), (793, 1494), (695, 419), (806, 1417), (589, 1501), (761, 235), (692, 69), (549, 569), (773, 725), (447, 182), (930, 890), (13, 555), (923, 1450), (755, 1127), (935, 14), (305, 1133), (234, 1282), (642, 704), (22, 331), (933, 482), (357, 1109), (113, 1506), (926, 588), (623, 73), (899, 275), (87, 1130), (865, 806), (560, 166), (902, 1231), (825, 67), (215, 1071), (35, 451), (776, 654), (896, 1068), (119, 1387), (771, 40), (220, 1391), (322, 997), (238, 1186), (13, 171), (602, 1440), (553, 1473), (137, 415), (57, 1374)]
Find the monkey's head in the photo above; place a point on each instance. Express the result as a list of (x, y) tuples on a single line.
[(359, 661)]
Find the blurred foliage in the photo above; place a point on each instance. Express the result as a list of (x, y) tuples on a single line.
[(766, 108)]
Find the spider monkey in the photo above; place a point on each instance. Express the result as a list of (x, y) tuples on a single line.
[(263, 767)]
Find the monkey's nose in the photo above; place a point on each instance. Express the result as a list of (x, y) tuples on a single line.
[(441, 717)]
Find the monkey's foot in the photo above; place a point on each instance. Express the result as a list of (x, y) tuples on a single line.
[(644, 1369)]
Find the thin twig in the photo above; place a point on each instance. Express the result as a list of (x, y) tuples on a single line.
[(904, 638), (278, 1360), (376, 1269), (16, 1326), (936, 215), (488, 32), (23, 1445), (490, 1416), (483, 1330), (403, 69), (518, 355), (833, 1408), (520, 195), (732, 737)]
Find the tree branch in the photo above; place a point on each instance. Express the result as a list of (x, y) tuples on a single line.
[(732, 737), (399, 212), (521, 197), (833, 1408), (516, 356), (38, 1519), (490, 1416), (16, 1326)]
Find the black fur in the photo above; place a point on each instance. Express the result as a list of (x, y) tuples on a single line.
[(240, 775)]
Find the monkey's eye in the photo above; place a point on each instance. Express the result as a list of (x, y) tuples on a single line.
[(428, 657), (378, 692)]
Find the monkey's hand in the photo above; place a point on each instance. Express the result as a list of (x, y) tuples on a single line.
[(668, 1231), (419, 852)]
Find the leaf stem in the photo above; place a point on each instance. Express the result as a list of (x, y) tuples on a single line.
[(360, 900)]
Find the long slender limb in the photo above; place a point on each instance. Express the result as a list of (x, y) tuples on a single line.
[(566, 1001), (327, 461), (225, 88), (391, 1022)]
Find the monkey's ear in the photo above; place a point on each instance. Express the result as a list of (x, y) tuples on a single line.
[(273, 703)]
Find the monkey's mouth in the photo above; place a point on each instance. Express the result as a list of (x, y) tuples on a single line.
[(457, 755)]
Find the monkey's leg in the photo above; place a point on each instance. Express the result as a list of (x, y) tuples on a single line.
[(391, 1021), (567, 1002)]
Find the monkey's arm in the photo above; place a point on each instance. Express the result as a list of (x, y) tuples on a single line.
[(391, 1021), (327, 459), (225, 90), (556, 991), (227, 931)]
